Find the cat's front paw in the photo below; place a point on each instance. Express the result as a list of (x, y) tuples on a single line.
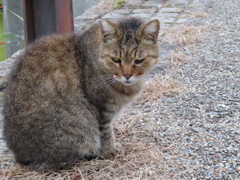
[(112, 152)]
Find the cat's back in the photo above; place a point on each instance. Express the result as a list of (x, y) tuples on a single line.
[(48, 61), (46, 53), (46, 71)]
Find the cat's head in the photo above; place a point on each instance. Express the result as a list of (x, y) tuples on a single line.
[(129, 48)]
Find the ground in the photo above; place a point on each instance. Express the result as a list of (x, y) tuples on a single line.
[(185, 125)]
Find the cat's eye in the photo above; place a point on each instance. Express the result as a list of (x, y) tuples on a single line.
[(138, 61), (116, 60)]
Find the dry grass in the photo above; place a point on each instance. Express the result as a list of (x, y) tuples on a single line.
[(140, 162), (185, 35), (199, 14), (177, 59), (196, 14), (158, 87), (196, 10)]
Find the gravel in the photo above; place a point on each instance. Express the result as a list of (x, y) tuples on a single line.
[(202, 124)]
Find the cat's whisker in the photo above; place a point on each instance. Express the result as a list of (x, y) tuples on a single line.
[(103, 77), (103, 82), (111, 83)]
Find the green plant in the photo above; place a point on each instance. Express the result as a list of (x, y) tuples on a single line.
[(21, 18), (7, 35), (2, 40), (118, 4), (11, 37)]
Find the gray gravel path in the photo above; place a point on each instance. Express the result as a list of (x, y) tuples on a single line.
[(203, 123)]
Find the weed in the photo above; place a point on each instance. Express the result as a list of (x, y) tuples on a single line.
[(118, 4)]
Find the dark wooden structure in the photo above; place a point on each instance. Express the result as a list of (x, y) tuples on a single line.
[(45, 17)]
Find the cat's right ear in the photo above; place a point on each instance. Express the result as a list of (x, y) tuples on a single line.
[(110, 31), (150, 31)]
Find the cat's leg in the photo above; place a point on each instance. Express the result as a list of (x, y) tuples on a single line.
[(109, 147)]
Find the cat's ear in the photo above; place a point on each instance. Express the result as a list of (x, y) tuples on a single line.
[(110, 31), (149, 32)]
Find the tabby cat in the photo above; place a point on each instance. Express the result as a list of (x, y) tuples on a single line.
[(66, 90)]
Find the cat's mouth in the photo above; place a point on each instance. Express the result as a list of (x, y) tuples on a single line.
[(127, 82)]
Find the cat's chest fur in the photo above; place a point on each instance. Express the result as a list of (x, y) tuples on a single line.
[(111, 99)]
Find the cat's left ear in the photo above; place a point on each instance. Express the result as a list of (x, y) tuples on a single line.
[(149, 32), (110, 31)]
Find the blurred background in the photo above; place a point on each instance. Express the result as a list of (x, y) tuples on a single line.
[(12, 24)]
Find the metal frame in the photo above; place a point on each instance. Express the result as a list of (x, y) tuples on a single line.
[(45, 17)]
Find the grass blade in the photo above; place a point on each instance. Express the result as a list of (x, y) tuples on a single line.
[(6, 36), (16, 15)]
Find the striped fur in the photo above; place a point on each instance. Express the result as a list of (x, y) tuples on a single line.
[(66, 91)]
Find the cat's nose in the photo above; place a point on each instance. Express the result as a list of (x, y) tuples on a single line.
[(127, 75)]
